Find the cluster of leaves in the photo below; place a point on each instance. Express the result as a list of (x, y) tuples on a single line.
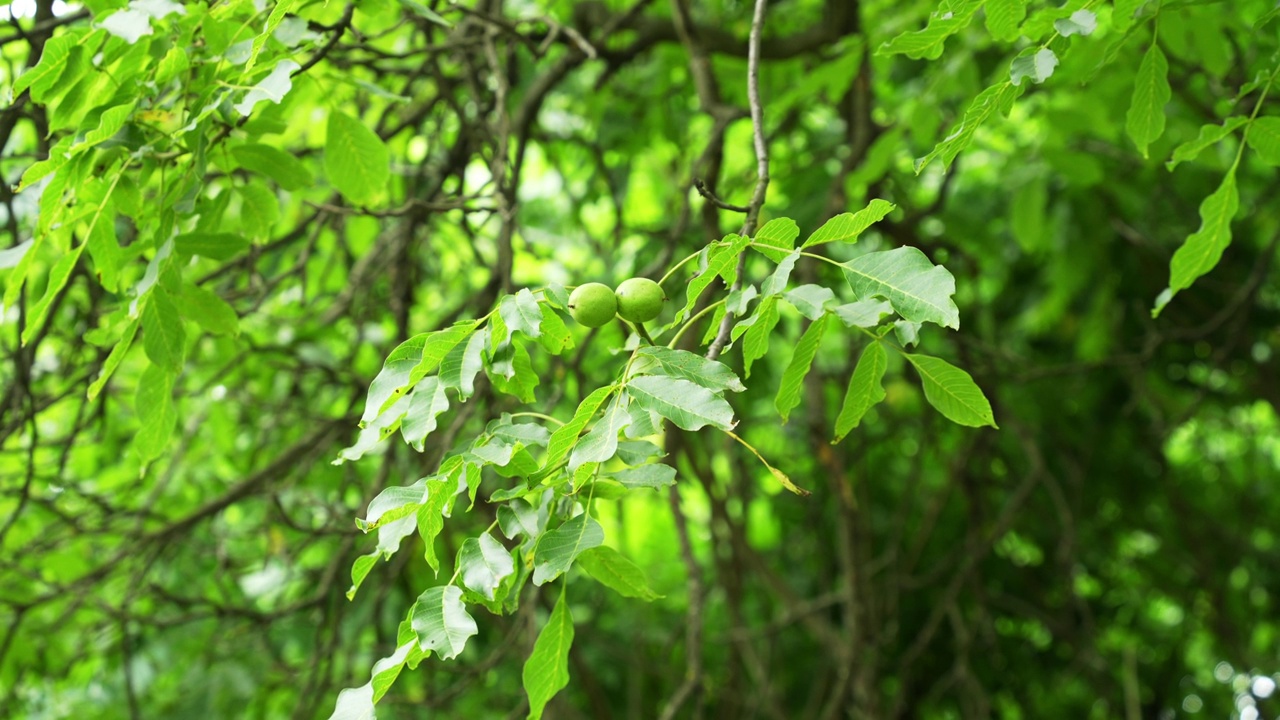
[(201, 168), (612, 445), (1047, 35), (143, 123)]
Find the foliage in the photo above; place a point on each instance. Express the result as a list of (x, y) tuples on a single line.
[(277, 265)]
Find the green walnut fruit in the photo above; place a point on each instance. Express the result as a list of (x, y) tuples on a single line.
[(640, 300), (592, 304)]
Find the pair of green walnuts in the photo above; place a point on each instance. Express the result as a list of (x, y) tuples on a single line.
[(638, 300)]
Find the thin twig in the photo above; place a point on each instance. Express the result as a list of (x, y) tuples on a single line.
[(711, 197), (762, 166)]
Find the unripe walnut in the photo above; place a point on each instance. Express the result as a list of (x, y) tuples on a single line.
[(593, 304), (640, 300)]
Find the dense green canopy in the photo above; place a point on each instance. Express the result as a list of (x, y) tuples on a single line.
[(962, 401)]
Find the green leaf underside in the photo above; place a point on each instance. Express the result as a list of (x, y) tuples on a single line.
[(484, 563), (689, 406), (710, 374), (918, 290), (441, 622)]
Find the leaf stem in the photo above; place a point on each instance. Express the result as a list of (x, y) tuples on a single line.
[(689, 323)]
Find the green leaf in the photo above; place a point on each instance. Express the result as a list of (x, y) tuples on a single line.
[(440, 492), (778, 233), (359, 571), (288, 172), (282, 8), (710, 374), (273, 87), (154, 406), (1203, 249), (109, 123), (393, 503), (952, 392), (441, 622), (689, 406), (358, 703), (864, 390), (546, 672), (907, 332), (654, 475), (846, 227), (459, 368), (1151, 92), (555, 338), (437, 345), (951, 17), (1004, 17), (523, 379), (259, 209), (635, 452), (519, 517), (980, 110), (566, 436), (522, 312), (163, 336), (1038, 65), (356, 159), (215, 246), (426, 402), (103, 246), (1209, 135), (558, 548), (722, 261), (758, 327), (918, 290), (601, 443), (810, 300), (483, 563), (1263, 137), (53, 62), (58, 277), (393, 380), (781, 275), (617, 572), (863, 313), (789, 390), (113, 359), (209, 310), (1080, 22)]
